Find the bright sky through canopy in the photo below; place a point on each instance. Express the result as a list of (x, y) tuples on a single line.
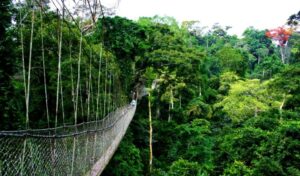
[(239, 14)]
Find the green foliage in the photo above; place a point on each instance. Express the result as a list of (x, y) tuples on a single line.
[(127, 159), (226, 79), (268, 67), (246, 99), (238, 168), (183, 167), (194, 144), (197, 108), (7, 66), (232, 60), (221, 105)]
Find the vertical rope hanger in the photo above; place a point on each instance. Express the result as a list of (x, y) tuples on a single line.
[(93, 100), (58, 70), (72, 79), (78, 76), (61, 83), (98, 85), (89, 88), (44, 68), (109, 93), (23, 58), (29, 69), (25, 89), (89, 82), (105, 87)]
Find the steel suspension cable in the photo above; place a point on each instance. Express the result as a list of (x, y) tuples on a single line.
[(58, 72), (25, 87), (105, 87), (72, 79), (98, 102), (61, 83), (29, 70), (89, 90), (23, 60), (44, 68), (78, 76)]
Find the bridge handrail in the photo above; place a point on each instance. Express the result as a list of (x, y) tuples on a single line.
[(71, 130)]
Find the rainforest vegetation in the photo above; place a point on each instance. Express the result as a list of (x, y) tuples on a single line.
[(217, 104)]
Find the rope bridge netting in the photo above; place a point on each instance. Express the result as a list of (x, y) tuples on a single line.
[(82, 149)]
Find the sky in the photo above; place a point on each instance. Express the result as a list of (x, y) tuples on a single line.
[(239, 14)]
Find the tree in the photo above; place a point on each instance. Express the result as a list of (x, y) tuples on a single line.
[(7, 66), (247, 99), (232, 60), (238, 168), (268, 67), (127, 159), (281, 35), (257, 44), (286, 84), (294, 19), (183, 167)]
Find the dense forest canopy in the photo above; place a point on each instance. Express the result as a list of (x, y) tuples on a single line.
[(220, 105)]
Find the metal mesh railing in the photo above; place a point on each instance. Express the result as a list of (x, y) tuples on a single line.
[(82, 149)]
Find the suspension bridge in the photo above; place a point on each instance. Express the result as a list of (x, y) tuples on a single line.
[(82, 149), (72, 128)]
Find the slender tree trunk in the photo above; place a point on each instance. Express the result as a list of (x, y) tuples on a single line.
[(150, 133), (281, 105), (282, 53), (169, 116), (171, 106), (157, 107), (172, 100), (200, 91), (180, 101), (206, 45)]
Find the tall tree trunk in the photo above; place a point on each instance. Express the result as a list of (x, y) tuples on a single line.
[(171, 106), (150, 133), (281, 105), (180, 101), (282, 53), (157, 110), (200, 91), (169, 114), (172, 100), (157, 106)]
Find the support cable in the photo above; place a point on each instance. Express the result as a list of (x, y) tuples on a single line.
[(58, 73), (29, 70), (44, 68)]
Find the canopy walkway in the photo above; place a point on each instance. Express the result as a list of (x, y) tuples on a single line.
[(83, 149), (67, 78)]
